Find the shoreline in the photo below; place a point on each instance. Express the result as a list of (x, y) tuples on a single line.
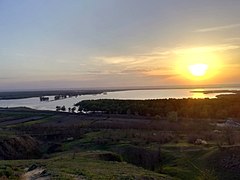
[(11, 95), (217, 91)]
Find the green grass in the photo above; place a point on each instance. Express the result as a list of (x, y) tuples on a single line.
[(85, 164), (178, 172), (80, 157), (179, 160), (94, 168), (45, 118), (186, 161), (89, 141)]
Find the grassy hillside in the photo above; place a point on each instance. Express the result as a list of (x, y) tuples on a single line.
[(74, 146)]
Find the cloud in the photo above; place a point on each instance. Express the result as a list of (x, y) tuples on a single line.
[(149, 71), (158, 57), (148, 59), (158, 62), (218, 28), (166, 76), (95, 72), (117, 59), (5, 78), (206, 49), (132, 71), (103, 72), (157, 53), (146, 64), (233, 39)]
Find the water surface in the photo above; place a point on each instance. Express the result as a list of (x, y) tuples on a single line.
[(129, 94)]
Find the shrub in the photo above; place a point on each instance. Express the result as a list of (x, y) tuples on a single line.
[(146, 158), (110, 157)]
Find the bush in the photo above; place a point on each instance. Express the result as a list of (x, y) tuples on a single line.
[(6, 171), (146, 158), (110, 157)]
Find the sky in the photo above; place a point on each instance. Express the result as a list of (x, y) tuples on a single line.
[(53, 44)]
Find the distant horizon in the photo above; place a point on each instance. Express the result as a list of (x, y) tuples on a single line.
[(128, 88)]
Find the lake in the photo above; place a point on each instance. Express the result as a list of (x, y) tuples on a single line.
[(128, 94)]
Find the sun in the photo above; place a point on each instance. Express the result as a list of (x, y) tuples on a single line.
[(198, 66), (198, 69)]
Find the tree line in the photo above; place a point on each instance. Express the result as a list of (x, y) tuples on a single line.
[(217, 108)]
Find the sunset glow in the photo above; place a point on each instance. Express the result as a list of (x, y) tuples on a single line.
[(200, 64)]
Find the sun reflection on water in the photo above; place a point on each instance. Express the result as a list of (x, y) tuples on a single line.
[(198, 94)]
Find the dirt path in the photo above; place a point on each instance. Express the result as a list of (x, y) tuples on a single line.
[(36, 174)]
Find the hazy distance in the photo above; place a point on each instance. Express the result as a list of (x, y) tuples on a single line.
[(64, 44)]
